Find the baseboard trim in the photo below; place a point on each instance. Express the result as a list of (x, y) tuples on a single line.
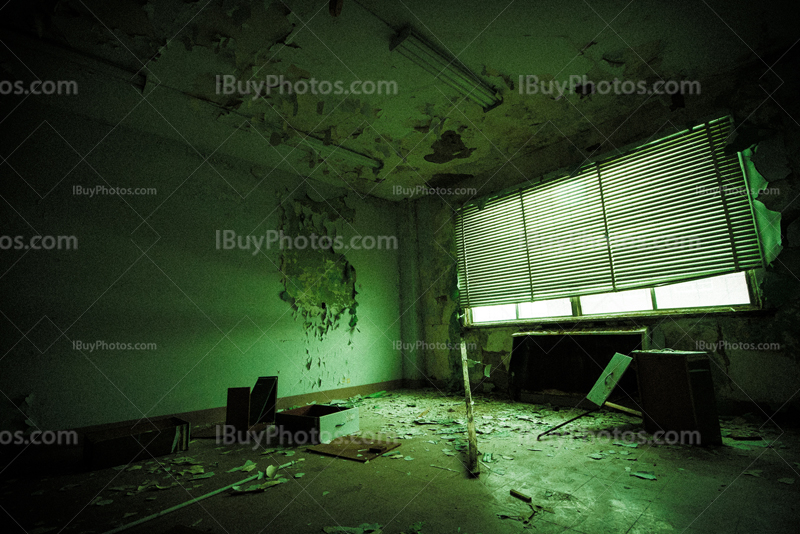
[(216, 415), (322, 397)]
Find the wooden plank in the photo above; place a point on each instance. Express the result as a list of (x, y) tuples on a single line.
[(522, 496), (472, 457), (237, 413), (355, 448), (263, 400), (623, 409)]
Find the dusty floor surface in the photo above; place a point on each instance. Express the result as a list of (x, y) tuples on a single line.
[(598, 474)]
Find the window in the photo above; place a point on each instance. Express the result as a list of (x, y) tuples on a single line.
[(667, 226)]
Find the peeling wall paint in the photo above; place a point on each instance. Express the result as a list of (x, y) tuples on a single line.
[(182, 47), (319, 282), (150, 77), (214, 315)]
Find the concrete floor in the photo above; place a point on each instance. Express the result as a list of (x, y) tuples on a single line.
[(577, 483)]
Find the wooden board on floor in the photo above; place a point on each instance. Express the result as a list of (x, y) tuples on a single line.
[(355, 448)]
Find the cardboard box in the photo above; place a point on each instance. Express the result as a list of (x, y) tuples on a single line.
[(123, 444), (316, 423)]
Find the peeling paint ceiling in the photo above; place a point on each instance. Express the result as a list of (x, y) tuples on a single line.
[(427, 134)]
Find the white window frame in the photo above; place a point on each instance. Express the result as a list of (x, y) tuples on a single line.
[(751, 276)]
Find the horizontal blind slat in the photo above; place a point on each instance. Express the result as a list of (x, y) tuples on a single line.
[(673, 209)]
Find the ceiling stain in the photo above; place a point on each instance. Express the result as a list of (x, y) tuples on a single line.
[(448, 148)]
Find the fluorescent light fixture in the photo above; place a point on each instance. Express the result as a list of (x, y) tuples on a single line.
[(452, 72), (340, 152)]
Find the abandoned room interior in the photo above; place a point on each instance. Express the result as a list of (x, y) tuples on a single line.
[(353, 266)]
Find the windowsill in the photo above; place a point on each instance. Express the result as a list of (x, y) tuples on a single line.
[(677, 312)]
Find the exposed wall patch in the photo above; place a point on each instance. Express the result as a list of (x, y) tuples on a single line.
[(318, 281)]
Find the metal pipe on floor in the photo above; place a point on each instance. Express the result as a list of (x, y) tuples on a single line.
[(179, 506)]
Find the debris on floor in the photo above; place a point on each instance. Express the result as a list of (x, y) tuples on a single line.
[(521, 496), (248, 466), (525, 517), (416, 528), (445, 468), (365, 528), (253, 488), (431, 428), (293, 462), (356, 448)]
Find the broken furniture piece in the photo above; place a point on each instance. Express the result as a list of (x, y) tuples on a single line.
[(355, 448), (126, 443), (237, 410), (316, 423), (677, 393), (559, 365), (472, 453), (246, 409), (263, 400), (602, 389)]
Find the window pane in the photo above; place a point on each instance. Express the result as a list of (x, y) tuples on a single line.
[(545, 308), (484, 314), (622, 301), (725, 290)]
